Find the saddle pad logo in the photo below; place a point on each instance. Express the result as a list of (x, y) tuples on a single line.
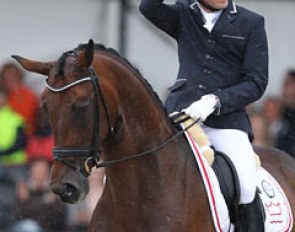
[(268, 189), (276, 205)]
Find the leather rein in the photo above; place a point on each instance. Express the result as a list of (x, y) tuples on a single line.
[(92, 154)]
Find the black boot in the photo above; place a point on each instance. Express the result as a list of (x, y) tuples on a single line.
[(252, 216)]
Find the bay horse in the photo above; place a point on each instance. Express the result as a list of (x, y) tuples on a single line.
[(100, 107)]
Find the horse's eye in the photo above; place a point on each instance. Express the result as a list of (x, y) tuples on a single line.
[(81, 105)]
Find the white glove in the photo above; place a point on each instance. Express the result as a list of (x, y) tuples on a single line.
[(201, 109)]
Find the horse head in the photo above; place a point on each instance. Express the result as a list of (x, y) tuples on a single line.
[(102, 112), (77, 112)]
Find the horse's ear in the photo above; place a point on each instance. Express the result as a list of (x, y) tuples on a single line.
[(34, 66), (86, 55)]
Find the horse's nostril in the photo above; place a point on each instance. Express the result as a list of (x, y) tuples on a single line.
[(69, 190), (69, 193)]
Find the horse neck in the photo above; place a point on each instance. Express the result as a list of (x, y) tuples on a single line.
[(144, 118), (145, 126)]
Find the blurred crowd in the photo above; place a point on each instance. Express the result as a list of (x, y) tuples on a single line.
[(26, 140), (273, 123)]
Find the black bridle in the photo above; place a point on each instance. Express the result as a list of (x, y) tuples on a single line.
[(92, 154)]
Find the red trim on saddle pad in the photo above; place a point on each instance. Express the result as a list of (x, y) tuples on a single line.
[(216, 201)]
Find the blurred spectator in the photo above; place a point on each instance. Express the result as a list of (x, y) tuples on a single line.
[(7, 198), (78, 217), (35, 200), (40, 142), (12, 134), (259, 128), (27, 225), (286, 135), (272, 112), (20, 97)]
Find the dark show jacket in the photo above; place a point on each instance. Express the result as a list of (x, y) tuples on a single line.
[(231, 61)]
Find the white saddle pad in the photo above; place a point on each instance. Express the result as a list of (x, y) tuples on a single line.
[(219, 211), (277, 208)]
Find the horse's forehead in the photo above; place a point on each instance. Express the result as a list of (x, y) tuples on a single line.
[(63, 66), (70, 62)]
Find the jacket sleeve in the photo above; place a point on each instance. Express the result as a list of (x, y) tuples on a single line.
[(20, 143), (255, 73), (163, 16)]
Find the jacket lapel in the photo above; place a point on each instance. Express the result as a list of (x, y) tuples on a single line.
[(227, 16)]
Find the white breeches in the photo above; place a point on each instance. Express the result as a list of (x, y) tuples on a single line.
[(236, 144)]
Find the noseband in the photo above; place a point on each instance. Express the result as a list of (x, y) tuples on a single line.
[(92, 153)]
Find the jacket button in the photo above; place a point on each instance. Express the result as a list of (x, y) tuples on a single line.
[(201, 86), (211, 41), (207, 56), (207, 71)]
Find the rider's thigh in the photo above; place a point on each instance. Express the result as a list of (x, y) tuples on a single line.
[(236, 144)]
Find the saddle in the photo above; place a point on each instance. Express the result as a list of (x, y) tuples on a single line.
[(223, 168), (229, 183)]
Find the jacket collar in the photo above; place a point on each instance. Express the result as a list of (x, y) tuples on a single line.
[(231, 8), (228, 16)]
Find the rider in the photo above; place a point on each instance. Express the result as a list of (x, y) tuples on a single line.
[(223, 55)]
